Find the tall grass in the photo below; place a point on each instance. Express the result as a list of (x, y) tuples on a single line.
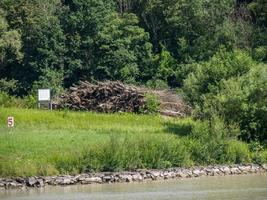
[(63, 142)]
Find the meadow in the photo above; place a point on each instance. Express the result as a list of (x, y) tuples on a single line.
[(65, 142)]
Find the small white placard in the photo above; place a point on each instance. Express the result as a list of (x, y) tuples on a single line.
[(44, 95), (10, 122)]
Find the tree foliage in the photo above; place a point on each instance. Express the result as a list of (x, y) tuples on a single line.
[(209, 48)]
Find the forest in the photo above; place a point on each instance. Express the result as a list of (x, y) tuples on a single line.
[(212, 52)]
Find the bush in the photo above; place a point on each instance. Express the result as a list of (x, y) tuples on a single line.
[(183, 71), (243, 101), (214, 128), (234, 87), (52, 79), (259, 157), (157, 84), (7, 100), (236, 152), (207, 77), (206, 152), (208, 140), (130, 153), (8, 86), (11, 101), (260, 53), (152, 104)]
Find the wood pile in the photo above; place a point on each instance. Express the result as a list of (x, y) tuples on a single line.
[(103, 97), (172, 104)]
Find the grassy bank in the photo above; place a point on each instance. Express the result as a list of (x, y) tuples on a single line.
[(61, 142)]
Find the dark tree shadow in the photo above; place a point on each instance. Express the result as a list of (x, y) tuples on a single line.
[(178, 129)]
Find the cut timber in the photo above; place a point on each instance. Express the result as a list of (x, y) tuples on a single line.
[(110, 97), (105, 97)]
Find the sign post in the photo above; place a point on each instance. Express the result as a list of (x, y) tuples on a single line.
[(44, 97), (10, 122)]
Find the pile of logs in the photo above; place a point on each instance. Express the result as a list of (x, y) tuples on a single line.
[(103, 97)]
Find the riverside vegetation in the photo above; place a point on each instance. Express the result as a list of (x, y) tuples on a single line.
[(213, 53), (64, 142)]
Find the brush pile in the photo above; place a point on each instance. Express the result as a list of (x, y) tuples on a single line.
[(103, 97)]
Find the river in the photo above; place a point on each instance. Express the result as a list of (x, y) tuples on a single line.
[(245, 187)]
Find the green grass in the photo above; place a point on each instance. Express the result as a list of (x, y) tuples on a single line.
[(64, 142)]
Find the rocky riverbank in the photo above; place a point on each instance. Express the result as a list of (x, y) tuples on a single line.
[(137, 176)]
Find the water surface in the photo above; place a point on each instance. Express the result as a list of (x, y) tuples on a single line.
[(247, 187)]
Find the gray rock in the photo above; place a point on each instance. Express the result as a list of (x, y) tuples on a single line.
[(20, 180), (40, 182), (189, 173), (92, 180), (264, 167), (66, 181), (116, 179), (137, 177), (154, 175), (31, 182), (62, 180), (125, 178), (244, 169), (48, 180), (209, 171), (2, 184), (13, 185), (181, 174), (235, 170), (196, 173), (107, 179), (168, 175), (225, 170), (216, 172), (82, 177)]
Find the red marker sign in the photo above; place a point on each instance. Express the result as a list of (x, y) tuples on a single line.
[(10, 122)]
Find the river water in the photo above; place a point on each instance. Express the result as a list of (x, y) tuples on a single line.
[(247, 187)]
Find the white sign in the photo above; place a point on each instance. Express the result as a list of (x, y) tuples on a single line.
[(10, 122), (44, 95)]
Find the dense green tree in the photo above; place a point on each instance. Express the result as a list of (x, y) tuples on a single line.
[(189, 29), (137, 41), (123, 51), (258, 9), (102, 44), (82, 22), (41, 35), (207, 76), (10, 44), (10, 51), (243, 100)]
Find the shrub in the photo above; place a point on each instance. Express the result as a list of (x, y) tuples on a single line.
[(157, 84), (8, 86), (207, 140), (183, 71), (260, 53), (50, 78), (206, 152), (236, 152), (207, 76), (260, 157), (7, 100), (152, 104), (243, 101), (214, 128), (130, 152), (234, 87)]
